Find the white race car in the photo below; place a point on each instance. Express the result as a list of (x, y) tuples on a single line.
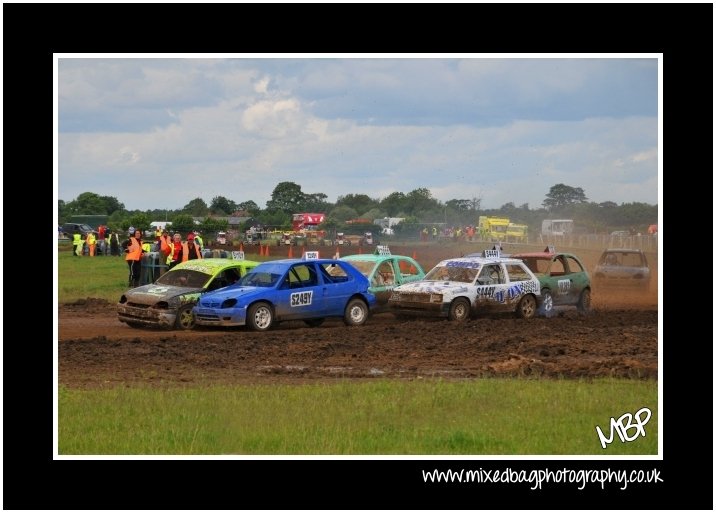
[(459, 287)]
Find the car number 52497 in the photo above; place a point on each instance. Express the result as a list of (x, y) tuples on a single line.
[(302, 298)]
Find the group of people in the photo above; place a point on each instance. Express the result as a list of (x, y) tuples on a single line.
[(104, 242), (172, 250)]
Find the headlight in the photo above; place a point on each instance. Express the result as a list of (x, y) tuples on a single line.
[(229, 303)]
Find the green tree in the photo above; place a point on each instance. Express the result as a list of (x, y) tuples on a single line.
[(394, 204), (212, 225), (249, 206), (183, 223), (288, 197), (140, 221), (342, 213), (111, 204), (196, 208), (561, 196), (359, 202), (316, 203), (222, 206), (420, 201)]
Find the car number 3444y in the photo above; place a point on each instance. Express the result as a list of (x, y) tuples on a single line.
[(301, 298)]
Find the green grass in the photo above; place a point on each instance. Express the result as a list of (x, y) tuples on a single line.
[(103, 277), (480, 417)]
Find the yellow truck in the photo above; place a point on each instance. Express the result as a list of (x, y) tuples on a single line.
[(493, 228), (516, 232)]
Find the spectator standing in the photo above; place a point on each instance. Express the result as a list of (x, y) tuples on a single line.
[(192, 250), (198, 240), (77, 244), (114, 245), (175, 254), (133, 257), (91, 243)]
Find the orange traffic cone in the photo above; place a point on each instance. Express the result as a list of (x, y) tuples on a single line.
[(266, 252), (415, 257), (338, 253), (261, 249), (241, 246), (290, 252)]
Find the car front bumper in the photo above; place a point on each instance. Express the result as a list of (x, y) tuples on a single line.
[(219, 316), (147, 316)]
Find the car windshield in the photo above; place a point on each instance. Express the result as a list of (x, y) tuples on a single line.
[(626, 259), (184, 278), (452, 273), (259, 279)]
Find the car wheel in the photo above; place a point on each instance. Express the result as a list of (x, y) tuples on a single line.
[(585, 301), (527, 307), (356, 312), (259, 316), (314, 323), (185, 318), (547, 301), (459, 310)]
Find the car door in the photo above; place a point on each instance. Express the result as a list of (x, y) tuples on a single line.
[(300, 295), (491, 289), (519, 281), (561, 282), (579, 279)]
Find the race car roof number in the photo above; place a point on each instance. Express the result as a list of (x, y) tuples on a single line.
[(311, 255)]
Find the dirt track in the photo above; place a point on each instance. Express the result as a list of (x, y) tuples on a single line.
[(618, 338)]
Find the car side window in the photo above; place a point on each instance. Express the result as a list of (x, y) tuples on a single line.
[(517, 273), (386, 273), (574, 265), (491, 275), (557, 268)]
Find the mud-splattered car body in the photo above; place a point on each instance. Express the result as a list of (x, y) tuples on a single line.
[(309, 290), (460, 287), (622, 268), (385, 272), (168, 302), (564, 281)]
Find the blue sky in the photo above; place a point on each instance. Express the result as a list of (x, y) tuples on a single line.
[(159, 132)]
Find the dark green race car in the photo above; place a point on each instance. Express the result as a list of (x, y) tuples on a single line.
[(563, 279)]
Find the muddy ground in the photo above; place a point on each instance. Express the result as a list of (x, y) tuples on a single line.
[(617, 338)]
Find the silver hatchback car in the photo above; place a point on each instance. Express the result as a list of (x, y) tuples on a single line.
[(626, 268)]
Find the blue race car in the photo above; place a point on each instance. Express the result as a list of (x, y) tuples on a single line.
[(294, 289)]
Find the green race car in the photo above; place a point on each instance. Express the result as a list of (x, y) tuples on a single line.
[(563, 279), (168, 302), (385, 272)]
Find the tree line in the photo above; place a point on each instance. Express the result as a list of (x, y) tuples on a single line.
[(417, 207)]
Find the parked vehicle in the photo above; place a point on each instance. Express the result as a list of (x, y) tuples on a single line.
[(563, 279), (626, 268), (168, 302), (460, 287), (306, 289)]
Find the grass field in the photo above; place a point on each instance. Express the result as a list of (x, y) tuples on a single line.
[(480, 417)]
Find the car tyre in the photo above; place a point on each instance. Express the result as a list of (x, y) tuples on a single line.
[(585, 301), (356, 312), (547, 301), (185, 318), (314, 323), (260, 316), (527, 307), (459, 310)]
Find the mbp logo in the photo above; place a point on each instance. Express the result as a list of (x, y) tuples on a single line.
[(622, 426)]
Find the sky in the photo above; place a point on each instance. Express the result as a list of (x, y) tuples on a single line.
[(157, 132)]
